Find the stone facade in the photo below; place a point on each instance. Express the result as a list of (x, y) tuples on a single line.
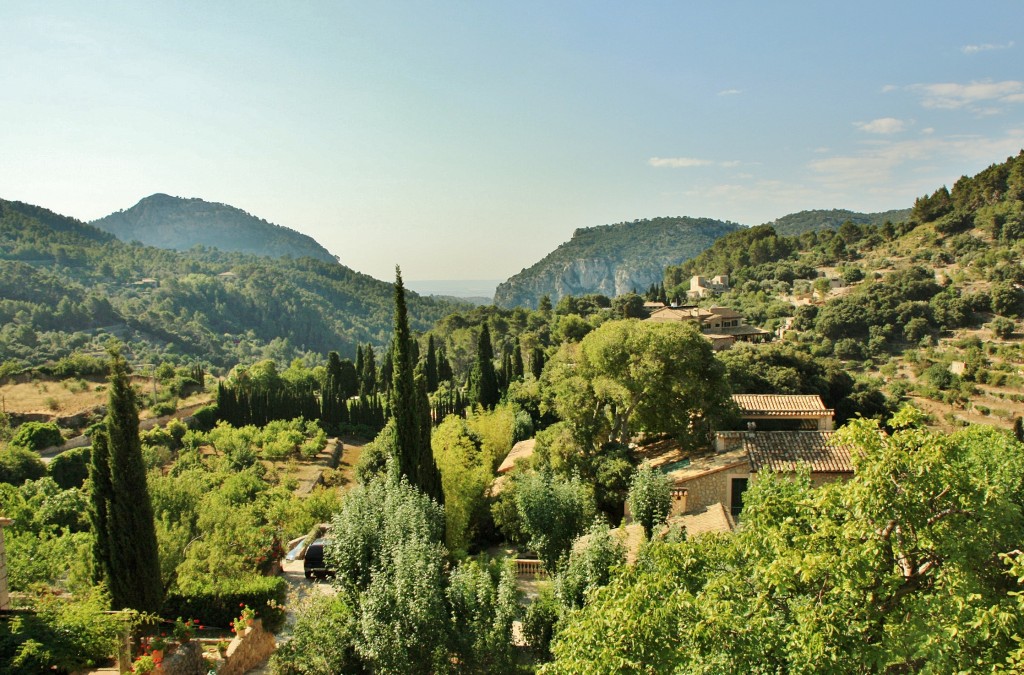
[(248, 650)]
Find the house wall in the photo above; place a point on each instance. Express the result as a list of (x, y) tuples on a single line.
[(703, 491), (819, 479)]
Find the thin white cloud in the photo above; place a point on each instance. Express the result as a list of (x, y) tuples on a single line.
[(730, 92), (689, 162), (883, 125), (677, 162), (987, 47), (953, 95), (880, 161), (889, 87), (927, 131)]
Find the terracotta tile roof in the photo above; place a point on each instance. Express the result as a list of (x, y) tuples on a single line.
[(726, 313), (784, 450), (775, 405), (679, 314), (702, 466)]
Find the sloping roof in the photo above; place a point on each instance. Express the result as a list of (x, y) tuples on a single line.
[(703, 466), (519, 451), (785, 450), (715, 518), (777, 405), (679, 314), (726, 313)]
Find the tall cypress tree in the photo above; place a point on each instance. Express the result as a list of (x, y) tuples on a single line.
[(484, 381), (415, 457), (517, 361), (132, 563), (430, 365), (99, 478), (332, 402)]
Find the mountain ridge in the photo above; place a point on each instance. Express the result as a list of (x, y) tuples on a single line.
[(180, 223)]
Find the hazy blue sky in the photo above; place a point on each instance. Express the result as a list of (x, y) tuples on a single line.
[(466, 140)]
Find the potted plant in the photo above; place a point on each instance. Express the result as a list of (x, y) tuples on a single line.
[(185, 630), (222, 648), (144, 664), (248, 614), (158, 645)]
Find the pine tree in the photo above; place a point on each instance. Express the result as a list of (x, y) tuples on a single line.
[(412, 418), (131, 563), (484, 381)]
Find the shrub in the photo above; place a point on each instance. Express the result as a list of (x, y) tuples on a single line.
[(70, 469), (220, 606), (37, 435), (18, 464), (206, 417)]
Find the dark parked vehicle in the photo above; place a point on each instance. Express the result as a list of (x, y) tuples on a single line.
[(313, 562)]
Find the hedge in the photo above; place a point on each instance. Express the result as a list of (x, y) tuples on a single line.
[(218, 607)]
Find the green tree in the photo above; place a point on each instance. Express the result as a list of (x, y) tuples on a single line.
[(650, 497), (553, 512), (130, 559), (632, 375), (484, 380), (37, 435), (412, 415)]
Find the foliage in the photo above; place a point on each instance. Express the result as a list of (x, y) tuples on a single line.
[(126, 550), (18, 464), (650, 497), (217, 604), (589, 566), (70, 468), (66, 635), (630, 375), (322, 640), (896, 570), (483, 601), (553, 512), (465, 477), (37, 435)]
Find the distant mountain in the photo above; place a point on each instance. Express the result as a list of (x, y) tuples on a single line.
[(831, 219), (612, 259), (177, 223), (66, 286)]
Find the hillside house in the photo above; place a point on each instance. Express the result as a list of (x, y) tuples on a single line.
[(702, 287), (724, 475), (722, 326)]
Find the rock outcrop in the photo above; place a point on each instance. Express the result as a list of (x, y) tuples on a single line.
[(612, 259)]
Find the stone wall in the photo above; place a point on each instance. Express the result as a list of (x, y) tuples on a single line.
[(248, 650), (703, 491), (187, 659)]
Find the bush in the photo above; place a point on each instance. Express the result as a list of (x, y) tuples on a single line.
[(18, 464), (220, 606), (70, 469), (206, 417), (322, 640), (37, 435)]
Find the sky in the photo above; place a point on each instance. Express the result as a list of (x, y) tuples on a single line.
[(466, 140)]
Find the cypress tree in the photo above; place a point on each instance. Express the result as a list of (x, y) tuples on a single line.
[(332, 402), (444, 367), (430, 365), (132, 562), (102, 491), (517, 361), (415, 457), (484, 381), (368, 385)]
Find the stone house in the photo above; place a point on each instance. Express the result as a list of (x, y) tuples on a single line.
[(722, 326), (702, 287)]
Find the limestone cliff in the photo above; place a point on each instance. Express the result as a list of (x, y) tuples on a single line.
[(612, 259)]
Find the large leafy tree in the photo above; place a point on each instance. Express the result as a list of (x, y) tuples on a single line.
[(650, 497), (126, 547), (898, 570), (630, 375)]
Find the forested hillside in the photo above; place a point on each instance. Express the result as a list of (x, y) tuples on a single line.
[(611, 259), (67, 286), (173, 222), (822, 219), (930, 304)]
